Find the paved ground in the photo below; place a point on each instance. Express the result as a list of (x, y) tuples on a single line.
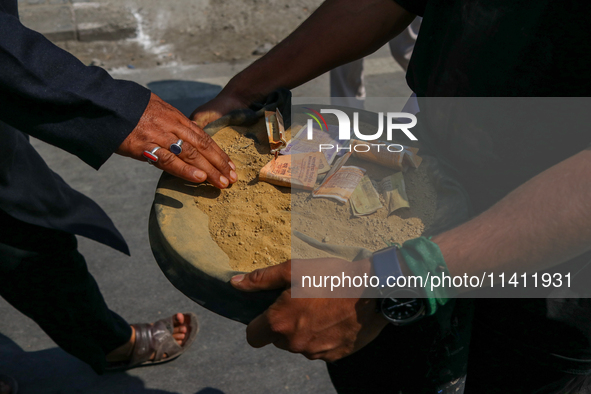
[(146, 33), (220, 361)]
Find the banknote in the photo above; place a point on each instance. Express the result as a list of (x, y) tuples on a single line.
[(394, 192), (298, 171), (275, 130), (341, 184), (335, 167), (300, 142), (365, 200)]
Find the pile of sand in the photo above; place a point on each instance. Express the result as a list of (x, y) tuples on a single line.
[(252, 221)]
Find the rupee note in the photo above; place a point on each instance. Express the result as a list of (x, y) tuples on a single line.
[(365, 200), (394, 191), (275, 130), (298, 171), (341, 184)]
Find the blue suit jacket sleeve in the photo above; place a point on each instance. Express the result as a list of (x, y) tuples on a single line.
[(49, 94)]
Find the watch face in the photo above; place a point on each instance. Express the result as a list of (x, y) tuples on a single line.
[(399, 309)]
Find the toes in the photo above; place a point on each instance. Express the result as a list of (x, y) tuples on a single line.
[(180, 328), (179, 338)]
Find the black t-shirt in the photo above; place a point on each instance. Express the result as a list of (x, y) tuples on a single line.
[(501, 48), (508, 48)]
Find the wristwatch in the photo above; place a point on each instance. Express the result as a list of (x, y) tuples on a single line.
[(399, 305)]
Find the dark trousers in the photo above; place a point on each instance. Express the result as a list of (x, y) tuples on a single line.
[(498, 366), (43, 275), (419, 358), (464, 356)]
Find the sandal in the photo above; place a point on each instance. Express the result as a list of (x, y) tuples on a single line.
[(157, 338), (8, 381)]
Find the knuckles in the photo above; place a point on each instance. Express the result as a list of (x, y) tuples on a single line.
[(204, 142), (278, 324), (283, 326), (257, 275), (192, 154), (165, 158)]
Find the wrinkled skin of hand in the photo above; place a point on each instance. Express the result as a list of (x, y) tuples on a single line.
[(201, 158), (319, 328)]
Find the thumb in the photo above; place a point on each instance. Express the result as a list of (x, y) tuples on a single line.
[(202, 118), (275, 277)]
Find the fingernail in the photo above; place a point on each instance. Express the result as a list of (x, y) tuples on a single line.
[(233, 176), (199, 175), (232, 165), (224, 181), (237, 279)]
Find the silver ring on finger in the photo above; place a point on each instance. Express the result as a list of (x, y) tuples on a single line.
[(151, 155), (177, 147)]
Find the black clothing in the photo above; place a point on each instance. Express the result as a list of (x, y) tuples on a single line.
[(500, 48), (47, 93), (496, 48), (31, 192), (419, 358), (511, 48), (44, 277)]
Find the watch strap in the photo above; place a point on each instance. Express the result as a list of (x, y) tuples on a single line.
[(385, 264)]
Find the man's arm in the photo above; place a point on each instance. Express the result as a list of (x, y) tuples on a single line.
[(338, 32), (49, 94), (544, 222)]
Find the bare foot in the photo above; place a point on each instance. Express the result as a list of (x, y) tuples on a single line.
[(180, 329), (123, 352)]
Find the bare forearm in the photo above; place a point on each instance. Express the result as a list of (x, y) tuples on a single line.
[(544, 222), (338, 32)]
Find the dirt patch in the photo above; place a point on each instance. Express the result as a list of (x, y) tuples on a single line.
[(252, 221), (333, 223)]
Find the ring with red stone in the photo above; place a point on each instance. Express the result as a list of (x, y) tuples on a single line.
[(151, 155)]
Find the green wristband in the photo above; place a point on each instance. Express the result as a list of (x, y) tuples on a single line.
[(424, 258)]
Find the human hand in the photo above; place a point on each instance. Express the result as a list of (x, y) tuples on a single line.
[(221, 105), (201, 158), (319, 328)]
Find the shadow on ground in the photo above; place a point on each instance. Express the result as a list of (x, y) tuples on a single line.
[(55, 371)]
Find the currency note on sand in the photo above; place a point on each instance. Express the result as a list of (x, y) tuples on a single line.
[(337, 165), (299, 171), (300, 143), (394, 191), (341, 184), (275, 130), (365, 200)]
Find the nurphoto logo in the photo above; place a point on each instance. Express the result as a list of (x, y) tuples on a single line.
[(393, 120)]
